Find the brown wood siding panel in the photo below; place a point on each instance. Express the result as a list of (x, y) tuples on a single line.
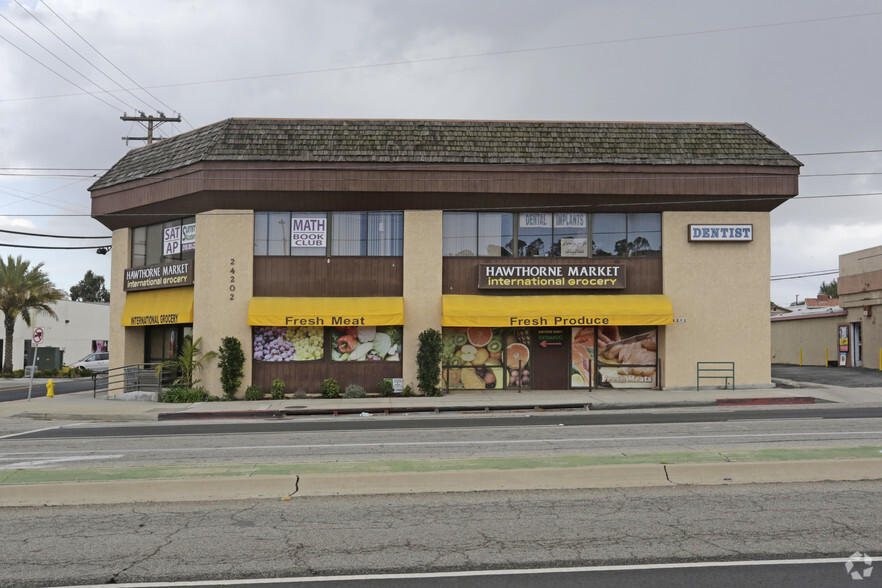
[(328, 276), (643, 275), (307, 376)]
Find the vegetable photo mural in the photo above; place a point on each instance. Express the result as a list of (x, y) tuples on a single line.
[(366, 343)]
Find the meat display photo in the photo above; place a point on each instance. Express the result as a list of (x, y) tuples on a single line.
[(614, 357)]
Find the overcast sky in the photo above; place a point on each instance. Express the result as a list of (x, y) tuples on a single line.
[(803, 72)]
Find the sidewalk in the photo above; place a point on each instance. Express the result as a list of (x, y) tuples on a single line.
[(80, 406)]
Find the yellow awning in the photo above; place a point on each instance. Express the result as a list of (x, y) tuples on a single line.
[(327, 312), (158, 307), (555, 311)]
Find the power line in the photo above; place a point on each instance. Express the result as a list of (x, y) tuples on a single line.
[(111, 63), (72, 68), (92, 94), (805, 275), (50, 247), (52, 236), (34, 16), (494, 53), (838, 152)]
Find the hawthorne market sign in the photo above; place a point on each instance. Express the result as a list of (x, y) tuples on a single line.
[(163, 275), (582, 277)]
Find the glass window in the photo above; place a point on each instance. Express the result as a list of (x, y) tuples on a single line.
[(644, 234), (460, 234), (282, 344), (348, 231), (495, 234), (608, 232), (154, 245), (570, 235), (309, 233), (385, 233), (535, 234), (139, 247)]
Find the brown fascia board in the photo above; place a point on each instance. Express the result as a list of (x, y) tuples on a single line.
[(771, 186)]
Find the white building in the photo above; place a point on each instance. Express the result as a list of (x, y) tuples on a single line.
[(79, 327)]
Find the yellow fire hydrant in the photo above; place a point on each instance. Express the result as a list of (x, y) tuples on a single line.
[(50, 389)]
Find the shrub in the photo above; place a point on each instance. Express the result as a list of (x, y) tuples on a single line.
[(231, 360), (300, 393), (330, 388), (253, 393), (355, 391), (408, 391), (385, 388), (429, 362), (185, 394), (277, 389)]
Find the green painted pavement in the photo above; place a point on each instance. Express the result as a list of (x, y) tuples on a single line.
[(97, 474)]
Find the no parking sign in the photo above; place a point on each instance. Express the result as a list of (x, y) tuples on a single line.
[(38, 334)]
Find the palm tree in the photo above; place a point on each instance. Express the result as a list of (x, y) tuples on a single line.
[(23, 289)]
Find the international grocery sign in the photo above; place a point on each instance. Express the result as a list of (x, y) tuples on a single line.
[(163, 275), (556, 277)]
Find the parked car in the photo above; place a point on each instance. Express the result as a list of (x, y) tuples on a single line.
[(97, 362)]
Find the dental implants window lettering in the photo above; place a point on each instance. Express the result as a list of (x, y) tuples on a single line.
[(313, 343), (546, 234)]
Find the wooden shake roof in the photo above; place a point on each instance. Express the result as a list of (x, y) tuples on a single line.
[(452, 142)]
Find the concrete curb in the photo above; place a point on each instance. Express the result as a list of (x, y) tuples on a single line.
[(351, 484)]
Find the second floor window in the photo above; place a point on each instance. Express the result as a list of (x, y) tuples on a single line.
[(164, 242), (326, 234)]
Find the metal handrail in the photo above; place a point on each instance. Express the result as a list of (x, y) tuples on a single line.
[(129, 378)]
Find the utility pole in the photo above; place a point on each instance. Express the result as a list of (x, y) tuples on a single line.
[(143, 118)]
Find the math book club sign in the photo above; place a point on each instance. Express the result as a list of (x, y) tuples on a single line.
[(551, 277), (163, 275)]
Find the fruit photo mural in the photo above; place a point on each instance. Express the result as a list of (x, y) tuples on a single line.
[(614, 357), (366, 344), (480, 357)]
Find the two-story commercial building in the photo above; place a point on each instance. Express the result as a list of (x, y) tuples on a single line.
[(551, 255)]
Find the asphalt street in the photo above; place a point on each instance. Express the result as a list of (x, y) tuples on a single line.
[(442, 532)]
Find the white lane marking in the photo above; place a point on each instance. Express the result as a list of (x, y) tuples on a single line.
[(29, 432), (448, 443), (478, 573), (39, 463)]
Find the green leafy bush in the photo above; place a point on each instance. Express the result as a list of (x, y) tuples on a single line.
[(385, 388), (277, 389), (253, 393), (408, 391), (185, 394), (231, 360), (429, 362), (330, 388), (355, 391)]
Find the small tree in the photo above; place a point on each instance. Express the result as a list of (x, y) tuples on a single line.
[(429, 362), (90, 289), (831, 289), (188, 363), (231, 360)]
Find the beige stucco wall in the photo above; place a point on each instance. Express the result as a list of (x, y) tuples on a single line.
[(816, 337), (126, 344), (224, 242), (422, 283), (720, 295)]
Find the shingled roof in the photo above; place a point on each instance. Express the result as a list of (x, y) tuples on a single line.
[(329, 141)]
